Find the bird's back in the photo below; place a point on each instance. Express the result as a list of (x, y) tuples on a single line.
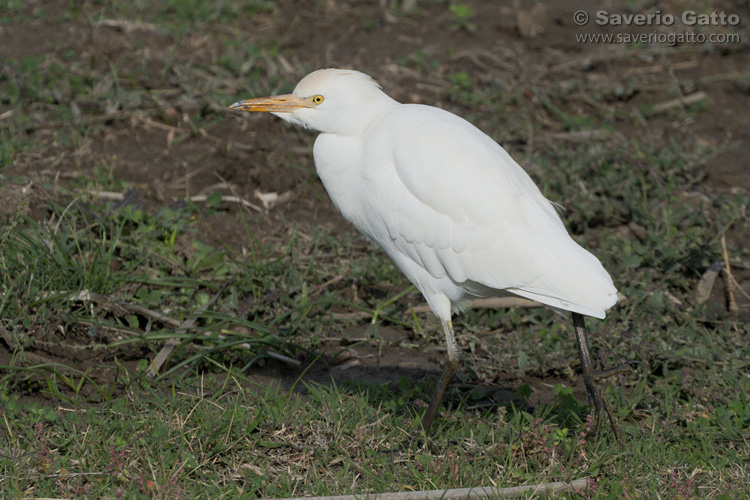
[(457, 215)]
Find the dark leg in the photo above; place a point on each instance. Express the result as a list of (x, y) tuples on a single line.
[(597, 401), (451, 365)]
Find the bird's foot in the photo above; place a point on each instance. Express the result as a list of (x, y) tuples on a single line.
[(598, 402)]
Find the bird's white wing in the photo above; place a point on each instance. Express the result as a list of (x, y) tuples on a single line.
[(456, 204)]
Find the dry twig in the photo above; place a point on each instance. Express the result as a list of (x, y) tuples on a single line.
[(121, 309), (467, 493), (128, 26), (658, 68), (114, 196), (229, 199), (677, 102)]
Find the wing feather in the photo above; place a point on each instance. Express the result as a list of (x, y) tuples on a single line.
[(457, 204)]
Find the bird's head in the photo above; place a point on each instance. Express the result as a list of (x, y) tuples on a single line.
[(337, 101)]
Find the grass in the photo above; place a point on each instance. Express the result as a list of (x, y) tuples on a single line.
[(685, 422), (81, 420), (222, 437)]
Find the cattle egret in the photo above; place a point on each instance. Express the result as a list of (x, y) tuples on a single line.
[(454, 211)]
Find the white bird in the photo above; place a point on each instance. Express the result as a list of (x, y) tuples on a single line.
[(458, 216)]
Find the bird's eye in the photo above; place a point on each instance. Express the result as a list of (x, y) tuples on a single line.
[(317, 99)]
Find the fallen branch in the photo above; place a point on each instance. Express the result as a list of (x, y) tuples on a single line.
[(319, 288), (161, 357), (467, 493), (128, 26), (679, 102), (104, 195), (660, 68), (739, 288), (170, 344), (148, 122), (269, 200), (228, 199), (284, 359), (201, 198), (122, 309)]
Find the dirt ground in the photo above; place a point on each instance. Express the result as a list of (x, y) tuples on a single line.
[(531, 51)]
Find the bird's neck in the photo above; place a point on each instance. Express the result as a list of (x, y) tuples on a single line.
[(359, 122)]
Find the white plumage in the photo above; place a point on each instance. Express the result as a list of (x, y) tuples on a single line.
[(453, 210)]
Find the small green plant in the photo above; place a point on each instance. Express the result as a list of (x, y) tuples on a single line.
[(569, 122), (462, 13), (463, 90), (416, 59)]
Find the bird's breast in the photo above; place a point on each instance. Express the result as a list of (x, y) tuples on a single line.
[(355, 173), (337, 162)]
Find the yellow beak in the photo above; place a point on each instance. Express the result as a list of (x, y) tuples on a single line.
[(286, 103)]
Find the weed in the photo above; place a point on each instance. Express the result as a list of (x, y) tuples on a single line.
[(461, 13)]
